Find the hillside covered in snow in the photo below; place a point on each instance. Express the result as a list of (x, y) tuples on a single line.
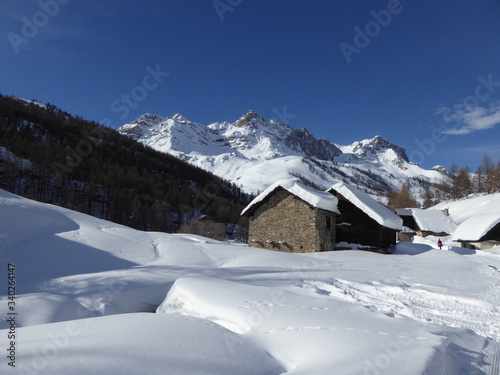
[(253, 152), (94, 297)]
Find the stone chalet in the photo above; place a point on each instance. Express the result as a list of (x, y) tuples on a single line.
[(479, 232), (289, 216), (363, 220)]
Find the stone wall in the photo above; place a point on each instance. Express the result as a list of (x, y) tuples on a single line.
[(326, 231), (286, 223)]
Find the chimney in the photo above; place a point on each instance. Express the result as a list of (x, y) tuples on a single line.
[(446, 211)]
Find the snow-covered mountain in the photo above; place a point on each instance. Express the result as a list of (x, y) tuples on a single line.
[(254, 152)]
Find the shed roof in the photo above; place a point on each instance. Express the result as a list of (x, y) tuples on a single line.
[(376, 210), (317, 199), (476, 227), (429, 220)]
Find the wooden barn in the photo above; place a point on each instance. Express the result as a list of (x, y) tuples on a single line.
[(291, 217), (479, 232), (424, 223), (363, 220)]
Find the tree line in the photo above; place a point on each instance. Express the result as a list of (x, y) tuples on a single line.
[(485, 180)]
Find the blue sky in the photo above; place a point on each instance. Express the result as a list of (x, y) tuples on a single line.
[(423, 74)]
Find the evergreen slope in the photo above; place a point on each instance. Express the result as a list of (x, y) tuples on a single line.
[(51, 156)]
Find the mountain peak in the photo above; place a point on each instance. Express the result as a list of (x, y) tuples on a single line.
[(380, 142), (248, 119), (179, 118), (377, 145), (379, 138), (148, 119), (251, 113), (443, 170)]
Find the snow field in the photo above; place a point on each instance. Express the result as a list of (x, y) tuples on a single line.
[(137, 344), (89, 290), (307, 336)]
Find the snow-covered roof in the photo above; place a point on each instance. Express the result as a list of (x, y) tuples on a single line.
[(404, 212), (471, 206), (317, 199), (429, 220), (376, 210), (476, 227)]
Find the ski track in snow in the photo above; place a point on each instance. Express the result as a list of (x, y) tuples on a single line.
[(420, 304)]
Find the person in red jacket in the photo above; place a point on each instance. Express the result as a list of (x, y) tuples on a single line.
[(440, 244)]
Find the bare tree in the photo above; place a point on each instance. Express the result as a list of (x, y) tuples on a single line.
[(496, 177), (487, 169), (462, 184), (402, 198), (428, 197), (453, 168)]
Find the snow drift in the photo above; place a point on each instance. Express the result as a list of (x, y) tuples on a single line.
[(96, 297)]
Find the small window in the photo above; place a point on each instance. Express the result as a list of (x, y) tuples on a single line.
[(328, 223)]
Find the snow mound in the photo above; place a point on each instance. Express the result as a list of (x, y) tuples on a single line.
[(134, 344), (201, 297), (301, 325)]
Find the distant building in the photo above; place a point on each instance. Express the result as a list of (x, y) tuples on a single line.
[(363, 220), (424, 223), (479, 232), (207, 226), (291, 217)]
